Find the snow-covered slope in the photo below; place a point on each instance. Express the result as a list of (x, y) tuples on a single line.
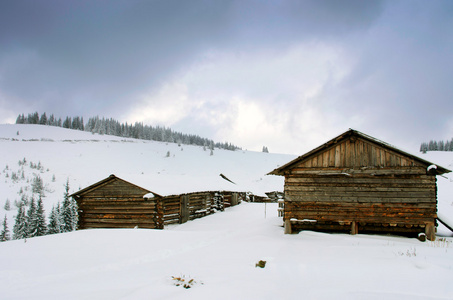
[(84, 158), (219, 251)]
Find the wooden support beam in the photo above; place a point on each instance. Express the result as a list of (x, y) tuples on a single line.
[(430, 231), (288, 226), (354, 227)]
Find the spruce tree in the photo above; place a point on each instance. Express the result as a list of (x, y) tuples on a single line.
[(4, 234), (31, 220), (68, 211), (20, 227), (38, 185), (54, 221), (7, 205), (75, 214), (41, 227)]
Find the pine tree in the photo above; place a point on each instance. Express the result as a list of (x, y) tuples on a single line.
[(4, 234), (43, 119), (68, 212), (31, 220), (54, 220), (75, 214), (7, 205), (59, 210), (41, 227), (38, 185), (20, 227), (67, 123)]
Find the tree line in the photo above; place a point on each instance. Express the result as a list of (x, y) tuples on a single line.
[(112, 127), (436, 146), (31, 222)]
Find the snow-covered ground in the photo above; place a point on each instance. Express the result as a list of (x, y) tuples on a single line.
[(218, 252)]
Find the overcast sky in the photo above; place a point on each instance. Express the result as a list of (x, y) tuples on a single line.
[(288, 75)]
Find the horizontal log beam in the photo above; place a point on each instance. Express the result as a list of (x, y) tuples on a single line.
[(141, 217), (118, 225)]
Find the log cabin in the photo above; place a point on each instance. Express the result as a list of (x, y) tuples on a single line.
[(357, 183), (117, 203)]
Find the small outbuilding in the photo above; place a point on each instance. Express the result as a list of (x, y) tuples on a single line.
[(117, 203), (357, 183)]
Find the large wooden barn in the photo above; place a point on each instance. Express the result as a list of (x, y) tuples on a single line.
[(357, 183), (117, 203)]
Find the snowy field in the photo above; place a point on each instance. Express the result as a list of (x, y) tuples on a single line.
[(218, 252)]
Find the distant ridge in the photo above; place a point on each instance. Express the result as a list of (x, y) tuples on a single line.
[(113, 127)]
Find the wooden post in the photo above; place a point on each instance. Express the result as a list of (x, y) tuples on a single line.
[(354, 227), (159, 213), (184, 209), (234, 199), (288, 226), (430, 231)]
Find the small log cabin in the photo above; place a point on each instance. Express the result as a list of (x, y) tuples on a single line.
[(117, 203), (357, 183)]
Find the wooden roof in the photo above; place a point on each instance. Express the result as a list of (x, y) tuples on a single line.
[(333, 153), (106, 181)]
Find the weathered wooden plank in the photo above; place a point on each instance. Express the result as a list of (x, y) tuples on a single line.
[(361, 218), (89, 215), (122, 205), (337, 156), (366, 211), (371, 205), (119, 221), (358, 207), (103, 200), (117, 210), (356, 199), (363, 193), (355, 172), (359, 180), (118, 225)]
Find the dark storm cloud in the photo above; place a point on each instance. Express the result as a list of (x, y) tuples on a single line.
[(305, 68), (401, 83), (74, 53), (98, 51)]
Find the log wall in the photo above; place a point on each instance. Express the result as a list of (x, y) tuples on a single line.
[(118, 204), (397, 203), (115, 203), (181, 208)]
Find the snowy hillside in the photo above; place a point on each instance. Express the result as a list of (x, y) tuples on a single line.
[(219, 252), (84, 158)]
